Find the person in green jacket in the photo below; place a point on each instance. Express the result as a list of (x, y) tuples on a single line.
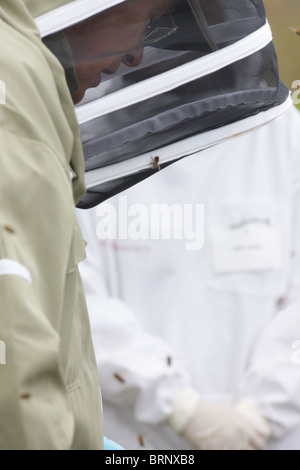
[(49, 394)]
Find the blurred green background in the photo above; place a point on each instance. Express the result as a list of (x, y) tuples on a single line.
[(282, 14)]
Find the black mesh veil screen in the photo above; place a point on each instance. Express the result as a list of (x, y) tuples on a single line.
[(141, 70), (203, 104)]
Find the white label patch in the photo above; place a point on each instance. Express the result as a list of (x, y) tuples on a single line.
[(246, 240), (9, 267)]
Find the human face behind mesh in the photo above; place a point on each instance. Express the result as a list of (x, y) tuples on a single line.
[(101, 43)]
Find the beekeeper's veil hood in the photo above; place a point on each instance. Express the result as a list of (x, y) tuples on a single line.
[(160, 79)]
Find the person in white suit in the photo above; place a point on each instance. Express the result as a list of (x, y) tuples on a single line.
[(198, 344)]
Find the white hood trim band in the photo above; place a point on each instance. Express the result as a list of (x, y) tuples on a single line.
[(71, 13)]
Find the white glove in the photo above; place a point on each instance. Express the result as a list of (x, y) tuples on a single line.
[(214, 426)]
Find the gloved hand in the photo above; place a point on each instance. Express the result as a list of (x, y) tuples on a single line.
[(214, 426)]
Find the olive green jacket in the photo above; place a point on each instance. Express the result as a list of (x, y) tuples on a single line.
[(49, 390)]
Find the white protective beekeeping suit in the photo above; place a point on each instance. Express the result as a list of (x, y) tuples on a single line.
[(223, 320)]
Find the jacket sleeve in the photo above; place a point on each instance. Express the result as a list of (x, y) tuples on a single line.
[(137, 370), (272, 380), (34, 410)]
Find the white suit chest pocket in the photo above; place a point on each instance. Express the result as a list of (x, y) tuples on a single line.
[(248, 246)]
